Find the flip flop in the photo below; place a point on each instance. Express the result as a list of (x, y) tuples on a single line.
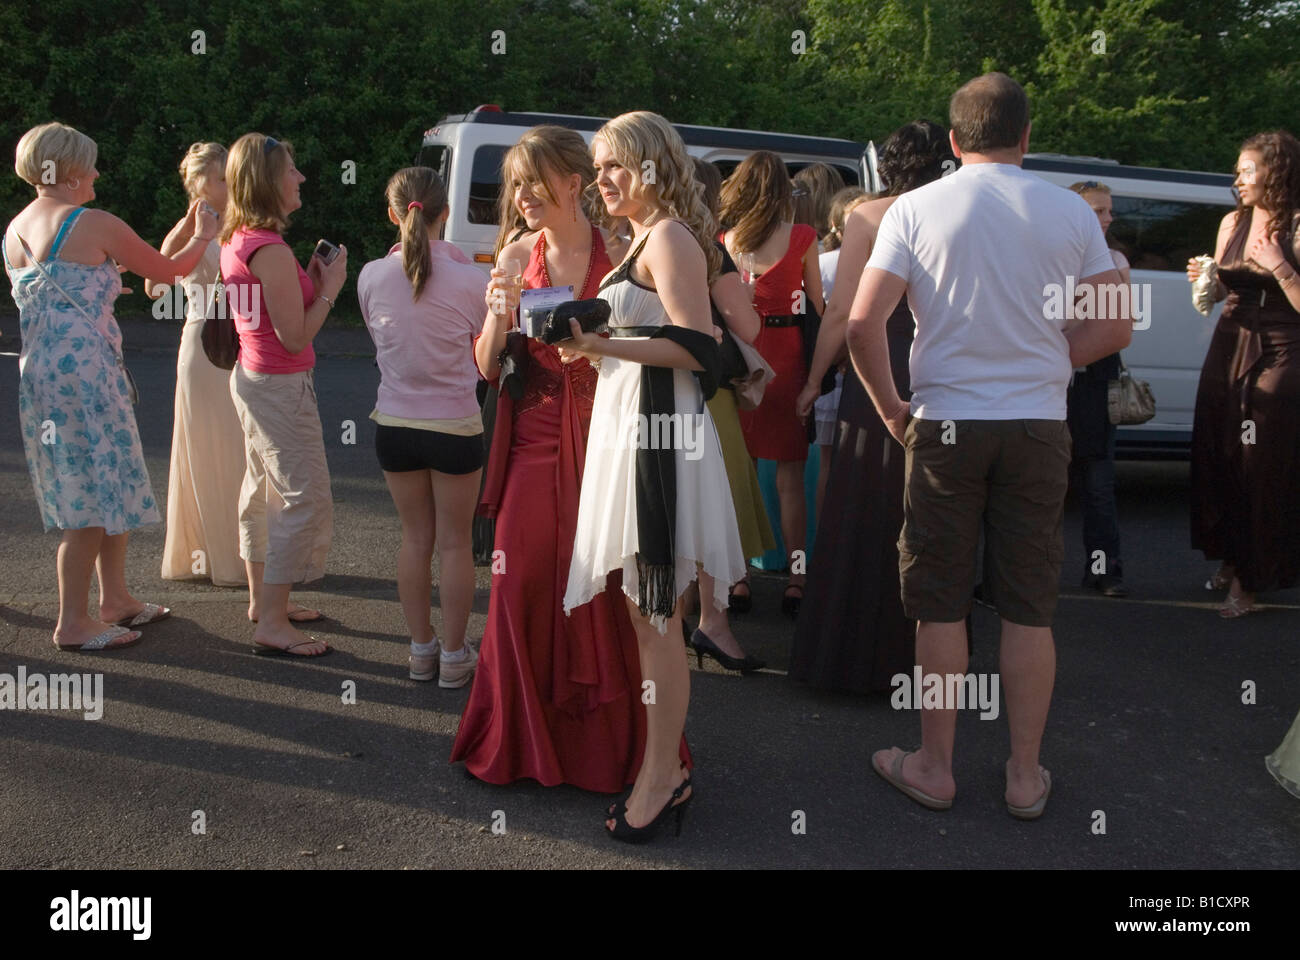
[(151, 613), (266, 650), (894, 776), (106, 641), (1035, 809), (1233, 607), (296, 616)]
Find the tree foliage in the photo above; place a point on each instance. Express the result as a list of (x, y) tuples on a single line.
[(1177, 83)]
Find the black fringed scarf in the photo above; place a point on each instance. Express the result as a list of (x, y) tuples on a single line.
[(656, 470)]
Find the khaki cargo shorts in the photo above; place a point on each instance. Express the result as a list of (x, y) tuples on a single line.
[(1005, 477)]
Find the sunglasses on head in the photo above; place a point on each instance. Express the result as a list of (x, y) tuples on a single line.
[(1090, 185), (271, 144)]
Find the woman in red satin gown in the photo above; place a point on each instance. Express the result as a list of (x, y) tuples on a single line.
[(782, 257), (555, 698)]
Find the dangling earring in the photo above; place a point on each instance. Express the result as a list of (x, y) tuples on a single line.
[(575, 208)]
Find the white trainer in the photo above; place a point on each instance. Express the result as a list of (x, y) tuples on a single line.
[(424, 666), (457, 673)]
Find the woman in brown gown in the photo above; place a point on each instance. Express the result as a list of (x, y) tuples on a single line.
[(852, 634), (1246, 430)]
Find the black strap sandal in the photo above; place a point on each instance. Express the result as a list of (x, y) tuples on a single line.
[(790, 605), (740, 602)]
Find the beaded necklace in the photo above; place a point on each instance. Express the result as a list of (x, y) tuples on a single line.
[(591, 260)]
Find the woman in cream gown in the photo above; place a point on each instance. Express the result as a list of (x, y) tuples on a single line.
[(207, 463)]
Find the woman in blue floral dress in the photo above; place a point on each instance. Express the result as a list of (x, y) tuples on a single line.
[(79, 430)]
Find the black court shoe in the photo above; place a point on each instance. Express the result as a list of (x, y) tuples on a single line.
[(702, 645)]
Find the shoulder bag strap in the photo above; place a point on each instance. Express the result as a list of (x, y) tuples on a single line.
[(67, 296)]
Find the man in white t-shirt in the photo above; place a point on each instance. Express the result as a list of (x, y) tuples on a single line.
[(986, 258)]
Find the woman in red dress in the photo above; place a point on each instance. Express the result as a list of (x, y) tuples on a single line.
[(555, 699), (782, 257)]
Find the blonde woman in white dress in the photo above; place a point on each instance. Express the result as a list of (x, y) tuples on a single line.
[(655, 509), (207, 464)]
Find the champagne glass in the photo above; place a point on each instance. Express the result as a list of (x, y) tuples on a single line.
[(747, 273), (512, 276)]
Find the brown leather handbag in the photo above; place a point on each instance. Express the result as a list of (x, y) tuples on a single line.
[(220, 341)]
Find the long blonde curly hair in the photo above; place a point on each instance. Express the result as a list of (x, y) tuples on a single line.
[(644, 142)]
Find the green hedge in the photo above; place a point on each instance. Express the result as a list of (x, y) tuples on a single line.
[(355, 81)]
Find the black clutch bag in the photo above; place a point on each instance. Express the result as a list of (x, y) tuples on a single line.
[(592, 315)]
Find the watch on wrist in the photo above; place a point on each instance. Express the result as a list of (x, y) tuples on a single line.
[(328, 300)]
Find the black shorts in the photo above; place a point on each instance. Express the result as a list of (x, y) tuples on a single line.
[(402, 449)]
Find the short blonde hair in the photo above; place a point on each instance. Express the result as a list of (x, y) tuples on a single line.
[(71, 151), (642, 141), (253, 171), (1089, 186), (196, 164)]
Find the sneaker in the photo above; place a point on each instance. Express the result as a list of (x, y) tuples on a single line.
[(457, 673), (425, 666)]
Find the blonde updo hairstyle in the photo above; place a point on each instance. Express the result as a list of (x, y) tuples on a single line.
[(71, 151), (641, 136), (197, 164), (842, 205)]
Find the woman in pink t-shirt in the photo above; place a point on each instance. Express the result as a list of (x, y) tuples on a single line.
[(423, 305), (278, 308)]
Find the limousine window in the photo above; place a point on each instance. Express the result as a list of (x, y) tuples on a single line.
[(1163, 234), (437, 156), (485, 184)]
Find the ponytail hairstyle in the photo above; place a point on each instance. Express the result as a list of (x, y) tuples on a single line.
[(197, 164), (756, 199), (418, 197)]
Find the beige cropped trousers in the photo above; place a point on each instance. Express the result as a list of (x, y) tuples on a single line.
[(286, 508)]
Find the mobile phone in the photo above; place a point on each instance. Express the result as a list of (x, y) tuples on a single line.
[(326, 251)]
